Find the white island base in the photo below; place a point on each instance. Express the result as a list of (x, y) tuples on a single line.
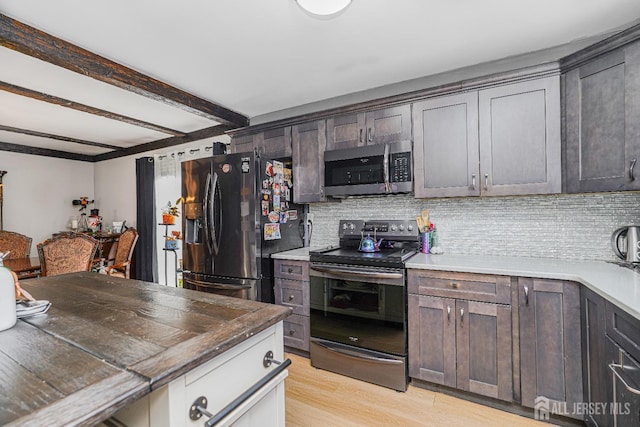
[(220, 380)]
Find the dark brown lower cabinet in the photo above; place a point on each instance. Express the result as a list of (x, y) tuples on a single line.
[(461, 344), (550, 343), (596, 355)]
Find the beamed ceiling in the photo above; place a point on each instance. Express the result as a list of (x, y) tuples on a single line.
[(93, 81), (138, 112)]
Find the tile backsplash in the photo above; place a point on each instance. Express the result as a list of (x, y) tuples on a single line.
[(576, 226)]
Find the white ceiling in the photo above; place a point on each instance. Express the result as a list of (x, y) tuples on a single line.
[(258, 57)]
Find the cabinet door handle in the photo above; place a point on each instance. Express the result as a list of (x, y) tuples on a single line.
[(361, 132), (461, 316), (618, 370), (526, 295), (369, 135), (486, 181), (473, 181), (448, 314), (631, 166)]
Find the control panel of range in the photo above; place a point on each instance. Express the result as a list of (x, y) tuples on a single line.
[(396, 229)]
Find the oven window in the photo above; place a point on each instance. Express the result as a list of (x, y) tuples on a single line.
[(362, 314)]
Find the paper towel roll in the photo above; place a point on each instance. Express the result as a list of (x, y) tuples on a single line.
[(7, 299)]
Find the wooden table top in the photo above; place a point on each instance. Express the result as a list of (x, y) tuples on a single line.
[(20, 265), (106, 341)]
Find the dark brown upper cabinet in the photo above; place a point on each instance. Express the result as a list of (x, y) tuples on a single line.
[(504, 140), (308, 143), (390, 124), (272, 143), (602, 123)]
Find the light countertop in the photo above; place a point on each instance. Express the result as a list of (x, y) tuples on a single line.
[(618, 284), (300, 254)]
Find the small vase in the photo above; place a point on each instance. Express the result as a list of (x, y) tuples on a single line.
[(168, 219)]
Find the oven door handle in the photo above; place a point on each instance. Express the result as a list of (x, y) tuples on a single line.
[(359, 356), (359, 273), (614, 368)]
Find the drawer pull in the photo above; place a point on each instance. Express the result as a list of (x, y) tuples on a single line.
[(292, 332), (291, 297), (290, 270), (453, 285), (199, 406)]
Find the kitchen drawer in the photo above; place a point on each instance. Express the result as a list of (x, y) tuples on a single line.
[(238, 371), (468, 286), (623, 328), (294, 294), (296, 332), (287, 269)]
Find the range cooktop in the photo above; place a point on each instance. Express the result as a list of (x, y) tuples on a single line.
[(397, 241)]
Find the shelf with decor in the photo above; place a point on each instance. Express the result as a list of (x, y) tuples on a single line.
[(171, 240)]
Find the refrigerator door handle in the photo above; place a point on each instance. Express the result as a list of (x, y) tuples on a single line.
[(205, 208), (215, 232)]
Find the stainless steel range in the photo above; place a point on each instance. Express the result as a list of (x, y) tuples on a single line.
[(358, 301)]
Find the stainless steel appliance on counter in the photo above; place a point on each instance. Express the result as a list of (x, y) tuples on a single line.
[(358, 301), (237, 211), (625, 242)]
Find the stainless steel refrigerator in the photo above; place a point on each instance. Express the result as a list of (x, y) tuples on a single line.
[(237, 210)]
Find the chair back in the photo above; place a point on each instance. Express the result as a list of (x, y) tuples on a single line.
[(124, 251), (18, 244), (66, 253)]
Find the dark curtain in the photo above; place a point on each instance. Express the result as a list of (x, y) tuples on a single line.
[(146, 266)]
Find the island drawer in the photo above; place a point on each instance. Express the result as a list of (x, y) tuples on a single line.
[(468, 286), (296, 332), (294, 294), (288, 269)]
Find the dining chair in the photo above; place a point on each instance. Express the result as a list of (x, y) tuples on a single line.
[(120, 266), (66, 253), (18, 244)]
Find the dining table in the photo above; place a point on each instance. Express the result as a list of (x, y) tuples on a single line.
[(24, 268)]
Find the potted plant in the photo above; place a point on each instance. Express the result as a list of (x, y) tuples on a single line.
[(170, 212)]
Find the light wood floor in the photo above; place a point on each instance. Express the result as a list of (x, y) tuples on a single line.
[(320, 398)]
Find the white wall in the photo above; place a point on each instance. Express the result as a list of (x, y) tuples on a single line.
[(38, 193)]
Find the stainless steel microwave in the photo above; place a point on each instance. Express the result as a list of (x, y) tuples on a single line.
[(372, 169)]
